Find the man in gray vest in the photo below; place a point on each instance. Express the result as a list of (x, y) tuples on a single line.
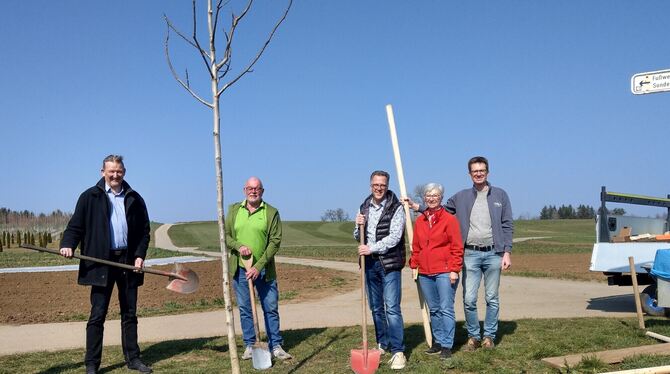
[(383, 218)]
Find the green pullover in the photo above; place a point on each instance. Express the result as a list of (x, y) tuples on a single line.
[(266, 259)]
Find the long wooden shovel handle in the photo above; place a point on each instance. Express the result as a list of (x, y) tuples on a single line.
[(252, 296), (408, 222), (248, 263), (364, 312), (107, 262)]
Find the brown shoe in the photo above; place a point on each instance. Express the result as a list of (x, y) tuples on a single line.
[(471, 345), (488, 343)]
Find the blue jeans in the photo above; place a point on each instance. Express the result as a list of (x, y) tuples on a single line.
[(475, 265), (439, 293), (269, 298), (384, 294)]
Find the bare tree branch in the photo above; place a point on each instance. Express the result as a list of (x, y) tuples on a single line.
[(229, 40), (176, 76), (187, 40), (203, 54), (260, 52), (219, 5)]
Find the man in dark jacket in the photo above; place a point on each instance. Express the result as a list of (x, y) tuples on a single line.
[(383, 218), (110, 222)]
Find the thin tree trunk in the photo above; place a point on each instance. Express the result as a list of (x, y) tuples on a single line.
[(232, 345)]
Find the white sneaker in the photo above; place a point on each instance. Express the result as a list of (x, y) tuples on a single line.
[(247, 353), (381, 350), (280, 354), (397, 361)]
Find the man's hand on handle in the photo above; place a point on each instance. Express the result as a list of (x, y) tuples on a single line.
[(253, 273), (66, 252), (360, 219), (363, 250), (245, 251), (139, 263)]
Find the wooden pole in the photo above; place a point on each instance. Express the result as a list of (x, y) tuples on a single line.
[(658, 336), (408, 223), (651, 370), (636, 292)]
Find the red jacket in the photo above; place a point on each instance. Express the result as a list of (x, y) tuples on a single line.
[(437, 249)]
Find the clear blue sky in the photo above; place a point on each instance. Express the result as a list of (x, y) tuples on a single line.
[(541, 88)]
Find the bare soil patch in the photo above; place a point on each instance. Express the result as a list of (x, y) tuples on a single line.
[(574, 266), (27, 298)]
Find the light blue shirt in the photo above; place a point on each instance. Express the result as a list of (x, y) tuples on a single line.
[(395, 230), (117, 222)]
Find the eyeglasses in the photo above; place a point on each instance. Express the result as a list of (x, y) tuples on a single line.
[(482, 171), (253, 189), (379, 186)]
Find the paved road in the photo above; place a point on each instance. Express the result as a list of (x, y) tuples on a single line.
[(520, 298)]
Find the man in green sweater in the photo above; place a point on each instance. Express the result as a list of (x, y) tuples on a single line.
[(253, 228)]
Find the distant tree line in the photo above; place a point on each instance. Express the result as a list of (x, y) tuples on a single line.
[(569, 212), (9, 239), (11, 220), (335, 215)]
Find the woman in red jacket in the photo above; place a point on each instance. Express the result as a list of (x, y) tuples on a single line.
[(437, 252)]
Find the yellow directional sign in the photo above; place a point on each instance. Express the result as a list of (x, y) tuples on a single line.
[(653, 81)]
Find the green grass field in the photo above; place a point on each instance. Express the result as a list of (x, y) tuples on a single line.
[(205, 235), (562, 236), (334, 240), (522, 345)]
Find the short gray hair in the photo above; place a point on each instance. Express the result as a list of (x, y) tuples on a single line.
[(429, 187), (118, 159)]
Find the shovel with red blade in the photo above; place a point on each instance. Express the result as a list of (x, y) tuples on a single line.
[(364, 361)]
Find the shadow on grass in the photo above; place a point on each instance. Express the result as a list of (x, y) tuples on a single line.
[(61, 368), (167, 349), (656, 322), (73, 366), (414, 336), (295, 337)]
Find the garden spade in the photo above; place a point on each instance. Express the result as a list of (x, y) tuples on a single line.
[(364, 361), (182, 280), (260, 354)]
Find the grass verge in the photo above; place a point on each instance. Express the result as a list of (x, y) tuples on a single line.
[(521, 346)]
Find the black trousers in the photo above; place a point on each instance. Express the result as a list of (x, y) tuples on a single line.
[(100, 297)]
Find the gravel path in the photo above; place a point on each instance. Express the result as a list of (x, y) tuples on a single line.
[(521, 297)]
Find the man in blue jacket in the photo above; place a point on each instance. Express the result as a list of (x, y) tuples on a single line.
[(484, 213)]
